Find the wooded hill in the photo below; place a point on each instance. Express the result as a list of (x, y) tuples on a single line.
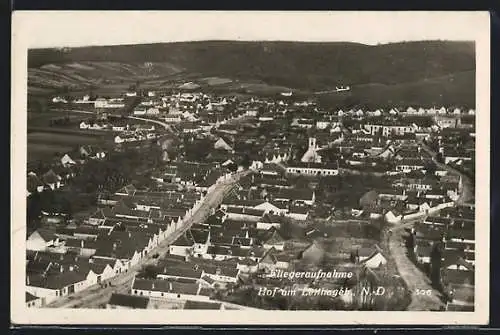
[(298, 65)]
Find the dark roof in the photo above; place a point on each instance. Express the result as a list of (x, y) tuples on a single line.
[(458, 277), (127, 243), (161, 285), (58, 281), (460, 308), (190, 304), (272, 218), (184, 241), (33, 182), (294, 194), (47, 234), (243, 203), (273, 236), (198, 236), (126, 300), (182, 270), (30, 297), (77, 243), (299, 209), (50, 177), (245, 211)]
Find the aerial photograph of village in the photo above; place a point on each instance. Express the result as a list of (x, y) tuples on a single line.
[(252, 175)]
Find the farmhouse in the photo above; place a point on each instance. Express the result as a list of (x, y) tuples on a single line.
[(33, 301), (239, 213), (170, 290), (126, 301), (312, 169)]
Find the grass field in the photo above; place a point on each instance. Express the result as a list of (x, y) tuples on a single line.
[(44, 144), (39, 151), (44, 119), (55, 138)]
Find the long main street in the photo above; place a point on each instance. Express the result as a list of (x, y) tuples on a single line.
[(96, 296)]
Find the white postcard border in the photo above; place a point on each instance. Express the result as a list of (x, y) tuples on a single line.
[(20, 314)]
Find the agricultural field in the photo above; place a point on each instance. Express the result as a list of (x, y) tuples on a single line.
[(37, 151), (45, 144), (44, 119)]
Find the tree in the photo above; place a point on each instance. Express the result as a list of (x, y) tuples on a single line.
[(410, 244), (232, 167), (245, 162), (436, 260), (149, 272), (439, 157), (430, 168)]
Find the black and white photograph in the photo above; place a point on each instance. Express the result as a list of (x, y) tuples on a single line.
[(250, 167)]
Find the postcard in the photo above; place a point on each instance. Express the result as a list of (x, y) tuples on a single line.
[(276, 168)]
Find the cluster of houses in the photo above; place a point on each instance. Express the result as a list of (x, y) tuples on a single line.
[(125, 132), (454, 229), (237, 242), (282, 140), (126, 228), (61, 170)]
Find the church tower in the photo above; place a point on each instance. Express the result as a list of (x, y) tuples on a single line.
[(312, 143)]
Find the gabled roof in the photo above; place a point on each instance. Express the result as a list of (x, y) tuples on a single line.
[(77, 243), (30, 297), (167, 286), (299, 209), (198, 235), (50, 177), (272, 218), (122, 244), (125, 300), (458, 277), (58, 281), (273, 237), (191, 304), (369, 252), (269, 257), (213, 269), (313, 247), (294, 194), (33, 182), (182, 270), (128, 189), (245, 211), (46, 234), (243, 203), (184, 240), (247, 261)]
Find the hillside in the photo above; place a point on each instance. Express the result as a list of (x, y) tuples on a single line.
[(303, 66)]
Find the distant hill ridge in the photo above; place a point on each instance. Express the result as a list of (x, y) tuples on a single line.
[(310, 66), (320, 63)]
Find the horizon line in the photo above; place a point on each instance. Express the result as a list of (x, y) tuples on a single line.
[(252, 41)]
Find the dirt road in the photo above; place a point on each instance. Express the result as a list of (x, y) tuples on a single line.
[(467, 190), (418, 283), (423, 296), (96, 296)]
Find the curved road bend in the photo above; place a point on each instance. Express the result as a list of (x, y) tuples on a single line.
[(95, 296), (158, 122)]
